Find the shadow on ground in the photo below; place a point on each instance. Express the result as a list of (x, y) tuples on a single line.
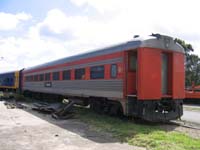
[(80, 125)]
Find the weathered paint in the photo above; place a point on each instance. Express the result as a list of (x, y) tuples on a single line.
[(149, 74), (145, 82), (178, 81), (15, 80)]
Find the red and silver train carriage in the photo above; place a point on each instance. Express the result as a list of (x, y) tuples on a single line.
[(143, 77)]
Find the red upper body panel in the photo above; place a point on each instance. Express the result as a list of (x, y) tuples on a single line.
[(149, 74), (178, 76)]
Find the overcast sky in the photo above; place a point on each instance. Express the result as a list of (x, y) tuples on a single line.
[(37, 31)]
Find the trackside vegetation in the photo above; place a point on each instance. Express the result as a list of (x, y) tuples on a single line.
[(192, 64), (152, 136)]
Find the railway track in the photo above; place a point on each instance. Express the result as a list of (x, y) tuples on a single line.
[(185, 124)]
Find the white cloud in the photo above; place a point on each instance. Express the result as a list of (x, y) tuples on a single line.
[(10, 21), (24, 52), (33, 48), (60, 34), (59, 22), (23, 16), (105, 6), (173, 17), (56, 21), (86, 31)]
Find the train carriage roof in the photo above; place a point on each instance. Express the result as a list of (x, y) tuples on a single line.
[(154, 41), (9, 72)]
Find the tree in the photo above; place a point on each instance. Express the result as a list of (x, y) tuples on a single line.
[(192, 70), (192, 64)]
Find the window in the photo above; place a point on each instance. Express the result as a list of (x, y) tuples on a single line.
[(113, 71), (31, 78), (133, 63), (47, 76), (66, 75), (56, 75), (97, 72), (35, 77), (27, 78), (41, 77), (80, 73), (7, 80)]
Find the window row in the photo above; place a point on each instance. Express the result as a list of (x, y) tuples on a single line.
[(96, 72), (6, 80)]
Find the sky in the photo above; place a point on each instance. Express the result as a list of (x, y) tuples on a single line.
[(33, 32)]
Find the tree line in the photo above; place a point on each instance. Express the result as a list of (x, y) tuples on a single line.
[(192, 64)]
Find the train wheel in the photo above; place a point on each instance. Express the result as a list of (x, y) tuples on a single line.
[(95, 106), (113, 110)]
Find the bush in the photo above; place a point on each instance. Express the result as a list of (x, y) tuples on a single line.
[(19, 97)]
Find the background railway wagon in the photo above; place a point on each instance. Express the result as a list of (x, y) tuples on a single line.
[(142, 77), (192, 95), (9, 80)]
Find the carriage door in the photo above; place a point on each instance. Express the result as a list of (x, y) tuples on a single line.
[(131, 76), (164, 74)]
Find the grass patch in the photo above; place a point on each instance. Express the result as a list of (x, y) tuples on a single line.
[(151, 137), (19, 97)]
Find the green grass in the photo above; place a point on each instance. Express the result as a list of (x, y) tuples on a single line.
[(19, 97), (151, 137)]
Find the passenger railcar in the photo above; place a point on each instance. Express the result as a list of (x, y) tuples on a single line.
[(143, 77), (192, 95), (9, 80)]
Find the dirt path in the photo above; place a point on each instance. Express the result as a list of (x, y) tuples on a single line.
[(191, 114), (28, 130)]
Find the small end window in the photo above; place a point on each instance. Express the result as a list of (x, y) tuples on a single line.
[(56, 75), (66, 75), (31, 78), (47, 76), (41, 77), (80, 74), (97, 72), (35, 77), (113, 71), (133, 63)]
